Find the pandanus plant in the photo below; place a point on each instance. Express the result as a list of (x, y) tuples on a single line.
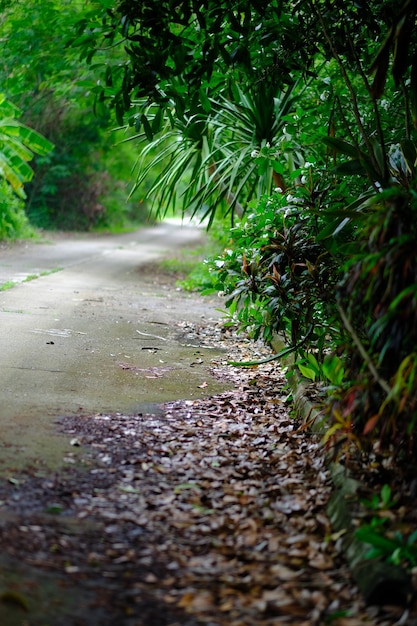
[(226, 151)]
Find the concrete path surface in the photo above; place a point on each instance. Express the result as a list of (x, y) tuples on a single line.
[(105, 333)]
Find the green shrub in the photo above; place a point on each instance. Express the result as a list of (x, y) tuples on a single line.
[(335, 275), (14, 223), (281, 277), (378, 303)]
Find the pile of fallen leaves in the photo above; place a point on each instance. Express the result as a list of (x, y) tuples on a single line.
[(209, 512)]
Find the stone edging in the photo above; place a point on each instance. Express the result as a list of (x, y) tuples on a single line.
[(380, 583)]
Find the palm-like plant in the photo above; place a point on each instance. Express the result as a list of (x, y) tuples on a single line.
[(173, 160), (248, 158), (223, 154), (18, 144)]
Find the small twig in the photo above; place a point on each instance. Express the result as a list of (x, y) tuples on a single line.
[(153, 336), (275, 357), (268, 359)]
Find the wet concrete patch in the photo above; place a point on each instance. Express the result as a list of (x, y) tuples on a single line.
[(107, 334), (108, 370)]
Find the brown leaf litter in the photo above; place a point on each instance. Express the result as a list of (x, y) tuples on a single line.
[(211, 512)]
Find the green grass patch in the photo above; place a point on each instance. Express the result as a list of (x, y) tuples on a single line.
[(8, 285), (54, 270), (12, 283), (177, 265), (190, 268), (30, 277)]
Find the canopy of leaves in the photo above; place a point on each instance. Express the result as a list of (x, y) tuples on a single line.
[(73, 187), (174, 49), (184, 62), (178, 50)]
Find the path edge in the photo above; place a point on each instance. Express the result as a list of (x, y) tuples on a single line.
[(379, 583)]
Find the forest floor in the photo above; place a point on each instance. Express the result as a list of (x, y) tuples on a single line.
[(208, 511)]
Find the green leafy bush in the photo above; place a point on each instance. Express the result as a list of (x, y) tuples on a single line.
[(336, 277), (387, 537), (394, 547), (14, 223), (329, 370), (277, 271), (378, 303), (78, 185)]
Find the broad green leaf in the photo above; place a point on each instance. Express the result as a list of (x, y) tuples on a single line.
[(368, 535), (147, 127), (8, 109), (385, 494), (333, 369), (204, 99), (307, 372), (351, 168), (12, 145), (19, 165), (10, 175), (332, 228), (339, 145), (313, 362)]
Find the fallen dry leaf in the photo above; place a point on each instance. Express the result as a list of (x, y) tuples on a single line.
[(214, 510)]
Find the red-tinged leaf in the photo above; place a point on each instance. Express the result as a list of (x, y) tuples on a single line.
[(370, 424)]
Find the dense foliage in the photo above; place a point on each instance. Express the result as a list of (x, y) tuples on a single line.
[(206, 86), (75, 186), (298, 119), (355, 278), (324, 253)]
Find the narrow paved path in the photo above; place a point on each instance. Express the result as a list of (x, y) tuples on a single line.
[(100, 334), (209, 509)]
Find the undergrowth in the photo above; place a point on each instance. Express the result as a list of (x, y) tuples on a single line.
[(14, 223)]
